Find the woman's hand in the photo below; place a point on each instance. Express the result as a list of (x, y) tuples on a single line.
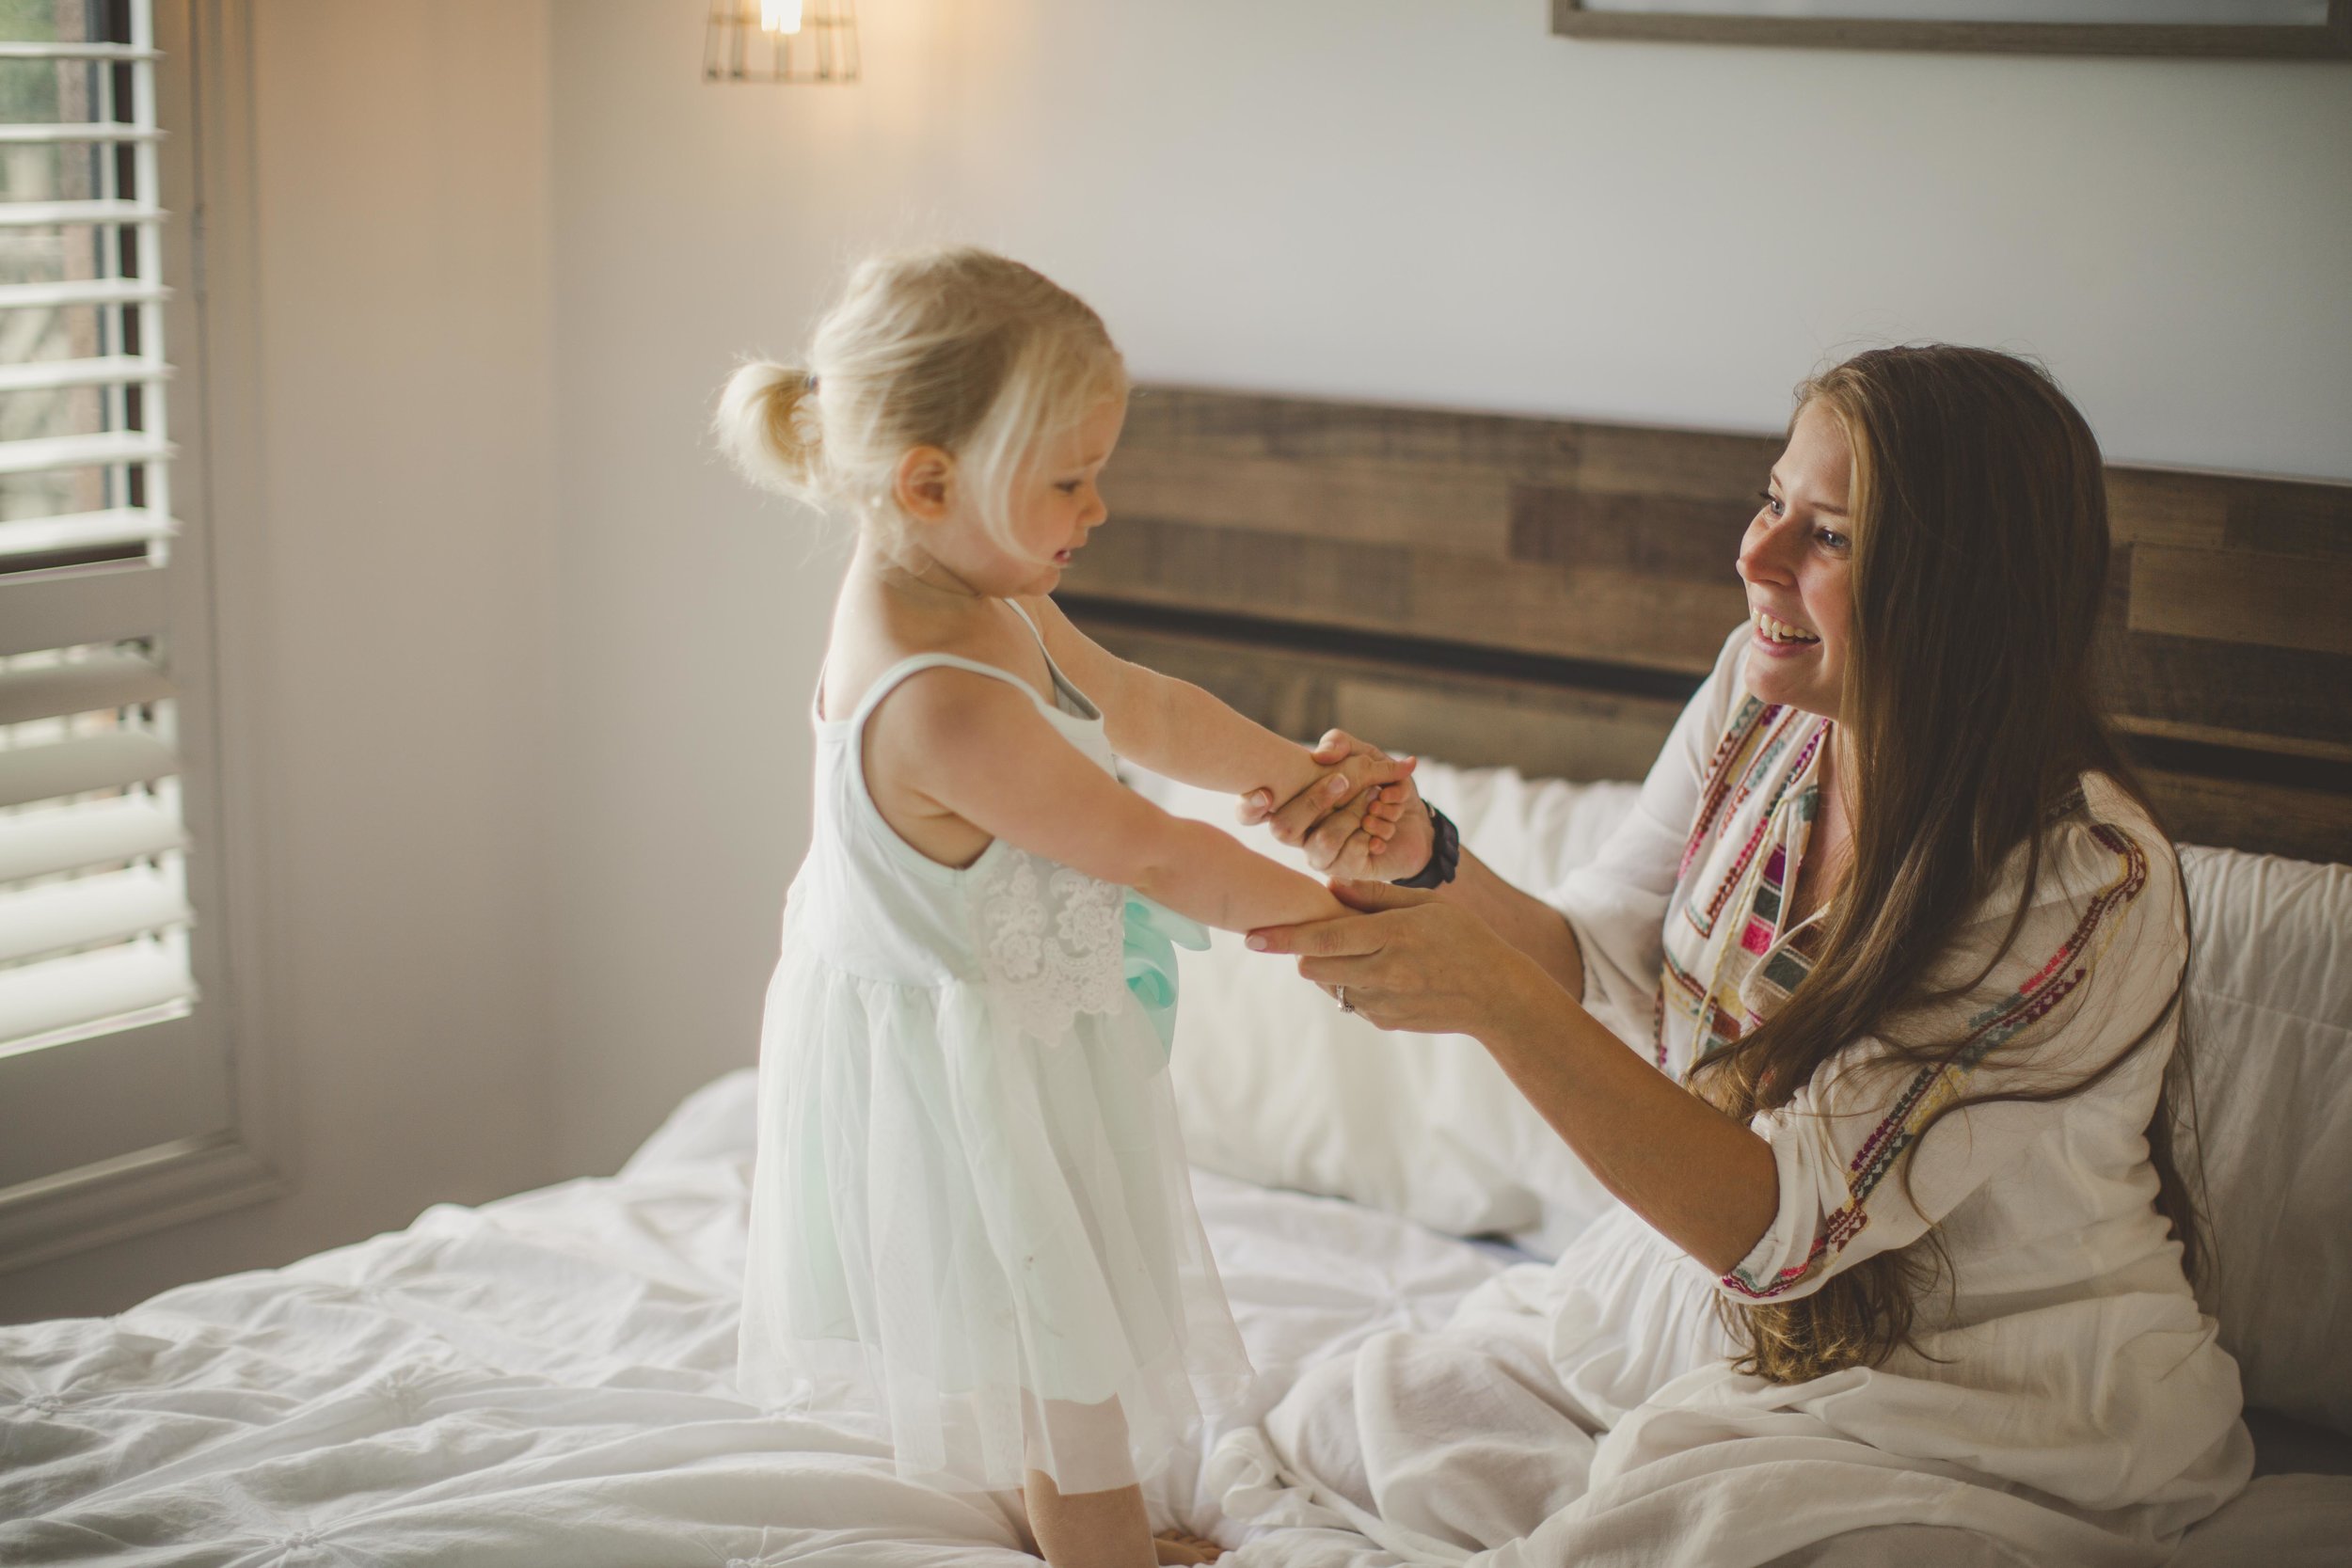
[(1348, 828), (1413, 961)]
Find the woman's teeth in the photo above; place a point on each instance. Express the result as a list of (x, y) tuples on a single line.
[(1781, 631)]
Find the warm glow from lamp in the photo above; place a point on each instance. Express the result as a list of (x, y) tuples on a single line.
[(775, 41)]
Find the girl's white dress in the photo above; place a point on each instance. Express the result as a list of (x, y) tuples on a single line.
[(972, 1219)]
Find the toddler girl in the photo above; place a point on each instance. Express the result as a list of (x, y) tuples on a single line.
[(972, 1214)]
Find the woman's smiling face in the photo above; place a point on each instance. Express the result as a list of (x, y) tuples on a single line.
[(1797, 560)]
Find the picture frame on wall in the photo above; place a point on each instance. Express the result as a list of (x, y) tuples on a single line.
[(2271, 29)]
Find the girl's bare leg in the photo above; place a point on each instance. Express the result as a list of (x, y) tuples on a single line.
[(1098, 1529), (1172, 1548), (1089, 1530)]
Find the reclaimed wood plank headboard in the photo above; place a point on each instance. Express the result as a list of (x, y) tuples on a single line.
[(1546, 593)]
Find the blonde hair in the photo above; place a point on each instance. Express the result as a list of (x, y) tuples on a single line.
[(954, 348)]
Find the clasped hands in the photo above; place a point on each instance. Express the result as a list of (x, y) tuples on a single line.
[(1362, 820), (1409, 960)]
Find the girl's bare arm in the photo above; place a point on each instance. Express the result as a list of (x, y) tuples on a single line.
[(1175, 728), (980, 750)]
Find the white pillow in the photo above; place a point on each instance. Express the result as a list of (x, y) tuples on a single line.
[(1278, 1086), (2270, 1025)]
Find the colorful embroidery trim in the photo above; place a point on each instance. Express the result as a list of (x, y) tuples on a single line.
[(1755, 752), (1935, 1087)]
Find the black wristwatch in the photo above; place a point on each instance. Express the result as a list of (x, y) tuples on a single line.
[(1445, 854)]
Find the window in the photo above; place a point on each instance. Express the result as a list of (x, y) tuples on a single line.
[(116, 1065)]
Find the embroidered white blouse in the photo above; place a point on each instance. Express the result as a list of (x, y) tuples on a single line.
[(2093, 1375)]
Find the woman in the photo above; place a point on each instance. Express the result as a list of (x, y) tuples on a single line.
[(1903, 1243)]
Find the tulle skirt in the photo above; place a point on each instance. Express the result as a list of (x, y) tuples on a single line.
[(981, 1241)]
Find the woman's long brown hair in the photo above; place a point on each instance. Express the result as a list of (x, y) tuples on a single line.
[(1969, 717)]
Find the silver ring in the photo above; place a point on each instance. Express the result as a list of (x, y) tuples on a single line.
[(1339, 995)]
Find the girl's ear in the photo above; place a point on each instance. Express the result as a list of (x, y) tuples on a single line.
[(923, 485)]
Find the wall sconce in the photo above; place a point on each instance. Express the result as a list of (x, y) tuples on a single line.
[(781, 41)]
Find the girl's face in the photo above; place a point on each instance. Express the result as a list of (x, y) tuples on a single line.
[(1056, 503), (1797, 560)]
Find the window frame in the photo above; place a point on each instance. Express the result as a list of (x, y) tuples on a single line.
[(216, 614)]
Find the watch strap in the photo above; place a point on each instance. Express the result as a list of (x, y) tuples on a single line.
[(1445, 853)]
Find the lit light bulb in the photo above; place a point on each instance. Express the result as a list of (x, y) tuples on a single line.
[(780, 16)]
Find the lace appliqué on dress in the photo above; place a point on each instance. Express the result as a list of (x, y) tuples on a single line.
[(1050, 942)]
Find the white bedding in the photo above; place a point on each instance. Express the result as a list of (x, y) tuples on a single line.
[(549, 1380)]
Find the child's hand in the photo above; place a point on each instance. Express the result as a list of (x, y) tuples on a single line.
[(1361, 818)]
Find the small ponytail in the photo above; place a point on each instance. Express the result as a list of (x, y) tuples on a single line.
[(767, 430)]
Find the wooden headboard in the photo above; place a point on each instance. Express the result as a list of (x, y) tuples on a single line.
[(1546, 593)]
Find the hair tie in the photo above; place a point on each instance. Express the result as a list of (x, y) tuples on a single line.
[(808, 384)]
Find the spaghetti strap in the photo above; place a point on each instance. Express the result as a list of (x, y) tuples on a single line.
[(1063, 685), (890, 679), (1034, 630)]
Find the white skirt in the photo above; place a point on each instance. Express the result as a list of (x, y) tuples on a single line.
[(981, 1241)]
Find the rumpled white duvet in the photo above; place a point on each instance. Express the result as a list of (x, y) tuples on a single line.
[(547, 1380)]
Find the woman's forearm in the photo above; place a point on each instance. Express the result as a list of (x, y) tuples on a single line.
[(1527, 923), (1701, 1180)]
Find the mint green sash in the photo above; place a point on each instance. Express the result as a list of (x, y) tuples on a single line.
[(1153, 934)]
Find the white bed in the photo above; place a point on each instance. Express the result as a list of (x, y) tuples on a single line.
[(549, 1379)]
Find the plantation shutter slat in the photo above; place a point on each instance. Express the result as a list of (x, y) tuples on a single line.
[(64, 611), (121, 524), (106, 291), (102, 832), (40, 375), (81, 766), (109, 450), (101, 680), (37, 135), (49, 214), (13, 49), (89, 912), (67, 993)]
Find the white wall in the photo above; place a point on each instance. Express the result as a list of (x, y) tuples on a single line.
[(1386, 200), (407, 466)]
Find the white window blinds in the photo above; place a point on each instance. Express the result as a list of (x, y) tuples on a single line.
[(98, 1058)]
